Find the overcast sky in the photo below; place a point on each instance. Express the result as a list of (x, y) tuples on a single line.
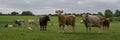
[(49, 6)]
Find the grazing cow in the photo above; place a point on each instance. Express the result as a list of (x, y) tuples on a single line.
[(19, 22), (30, 23), (92, 21), (106, 23), (65, 20), (43, 22)]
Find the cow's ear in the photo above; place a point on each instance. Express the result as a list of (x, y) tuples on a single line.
[(56, 11), (59, 11)]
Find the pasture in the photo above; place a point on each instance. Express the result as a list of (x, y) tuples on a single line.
[(22, 32)]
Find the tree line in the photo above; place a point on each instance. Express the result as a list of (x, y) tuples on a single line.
[(107, 13), (115, 16), (24, 13)]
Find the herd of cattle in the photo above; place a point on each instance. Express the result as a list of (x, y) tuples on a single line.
[(65, 20)]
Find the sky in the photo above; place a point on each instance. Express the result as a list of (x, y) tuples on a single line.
[(39, 7)]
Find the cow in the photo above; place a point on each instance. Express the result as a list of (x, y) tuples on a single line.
[(43, 22), (18, 22), (106, 23), (30, 24), (92, 21), (8, 25), (65, 20)]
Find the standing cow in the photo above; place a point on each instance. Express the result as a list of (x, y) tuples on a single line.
[(92, 21), (43, 22), (106, 23)]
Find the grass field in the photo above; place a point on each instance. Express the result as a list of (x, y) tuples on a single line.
[(22, 33)]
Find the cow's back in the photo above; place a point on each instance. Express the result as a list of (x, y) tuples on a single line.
[(70, 19), (93, 20)]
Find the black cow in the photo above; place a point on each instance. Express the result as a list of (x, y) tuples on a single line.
[(43, 22)]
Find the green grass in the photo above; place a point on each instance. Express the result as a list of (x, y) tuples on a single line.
[(22, 33)]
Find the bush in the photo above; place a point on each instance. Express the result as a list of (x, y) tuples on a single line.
[(116, 18)]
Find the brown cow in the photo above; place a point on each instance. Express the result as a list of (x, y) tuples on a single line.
[(106, 23), (65, 20)]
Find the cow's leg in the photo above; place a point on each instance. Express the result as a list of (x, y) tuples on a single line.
[(73, 28), (108, 27), (90, 25), (104, 27), (59, 28), (41, 28), (100, 29), (66, 28), (19, 24), (63, 29), (45, 27), (87, 29)]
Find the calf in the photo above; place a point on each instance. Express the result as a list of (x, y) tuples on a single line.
[(43, 22)]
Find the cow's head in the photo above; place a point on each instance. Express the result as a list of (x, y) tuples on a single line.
[(47, 18), (59, 12)]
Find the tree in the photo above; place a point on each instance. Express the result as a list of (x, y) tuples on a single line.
[(108, 13), (100, 13), (0, 13), (14, 13), (88, 13), (50, 14), (27, 13), (117, 13)]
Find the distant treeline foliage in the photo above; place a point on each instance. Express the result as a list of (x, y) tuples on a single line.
[(24, 13), (107, 14)]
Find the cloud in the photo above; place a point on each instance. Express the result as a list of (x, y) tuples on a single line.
[(49, 6)]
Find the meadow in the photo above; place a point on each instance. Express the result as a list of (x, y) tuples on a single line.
[(22, 32)]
